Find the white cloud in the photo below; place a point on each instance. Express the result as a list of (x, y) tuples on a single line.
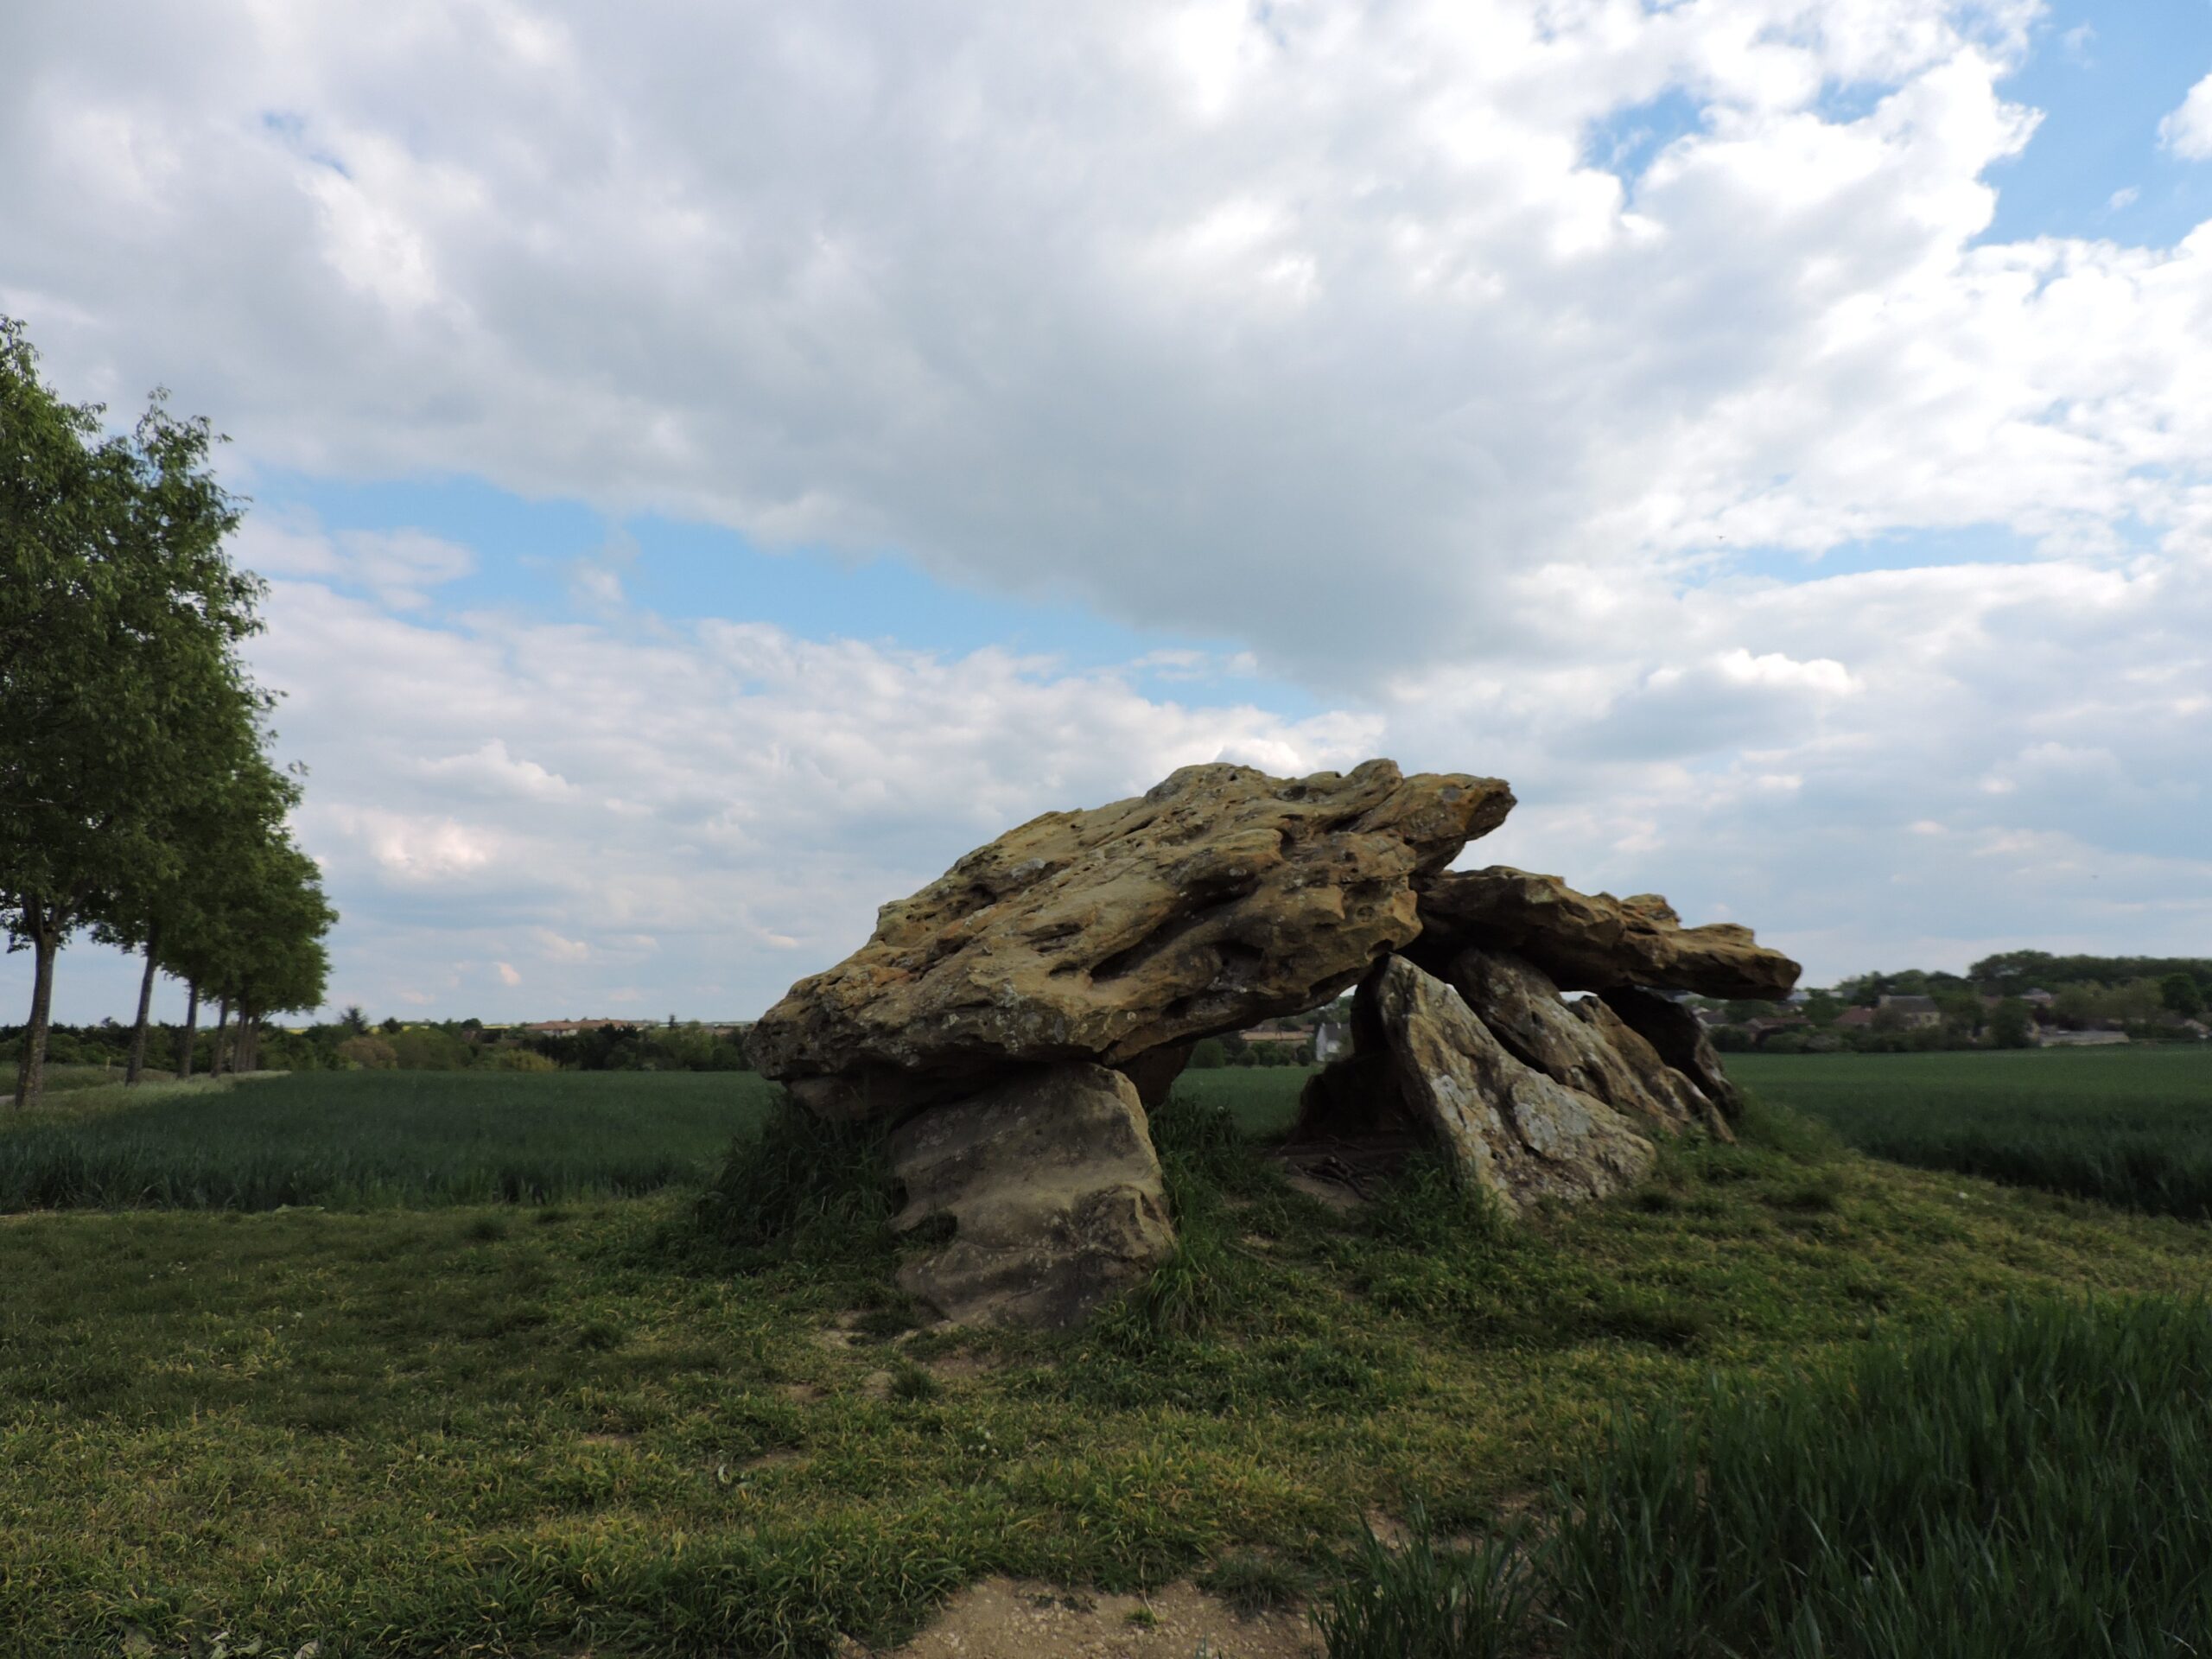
[(2188, 130), (1176, 307), (399, 568), (509, 975), (2125, 196), (1327, 326)]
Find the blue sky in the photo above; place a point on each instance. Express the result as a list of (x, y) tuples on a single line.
[(715, 470)]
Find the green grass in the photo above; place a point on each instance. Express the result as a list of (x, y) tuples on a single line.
[(590, 1426), (360, 1138), (1263, 1099), (2126, 1126), (2028, 1480)]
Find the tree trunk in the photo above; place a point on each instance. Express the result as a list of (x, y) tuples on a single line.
[(30, 1070), (249, 1041), (222, 1029), (145, 1004), (191, 1032)]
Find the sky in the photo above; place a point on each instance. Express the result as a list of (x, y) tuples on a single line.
[(715, 466)]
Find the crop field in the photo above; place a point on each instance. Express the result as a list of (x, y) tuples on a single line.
[(506, 1393), (2126, 1126), (357, 1138)]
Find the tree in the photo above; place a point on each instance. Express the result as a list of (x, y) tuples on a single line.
[(2011, 1024), (2179, 995), (226, 808), (118, 645)]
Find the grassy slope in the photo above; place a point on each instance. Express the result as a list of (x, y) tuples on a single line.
[(375, 1137), (409, 1431), (2129, 1125)]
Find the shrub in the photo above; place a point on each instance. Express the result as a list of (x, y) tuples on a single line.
[(1209, 1055), (425, 1048), (370, 1053), (523, 1059)]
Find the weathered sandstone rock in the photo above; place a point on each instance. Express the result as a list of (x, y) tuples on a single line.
[(1594, 1052), (1594, 942), (1687, 1102), (1508, 1126), (1054, 1191), (1154, 1071), (1219, 898), (1676, 1037)]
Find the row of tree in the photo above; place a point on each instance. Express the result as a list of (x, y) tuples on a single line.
[(137, 800)]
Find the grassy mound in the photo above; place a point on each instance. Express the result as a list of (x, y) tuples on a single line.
[(442, 1430)]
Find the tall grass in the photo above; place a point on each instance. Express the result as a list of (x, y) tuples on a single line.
[(370, 1138), (2031, 1482), (2125, 1126), (796, 1186)]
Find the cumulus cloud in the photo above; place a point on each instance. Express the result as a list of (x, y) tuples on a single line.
[(1178, 307), (2188, 130), (1361, 332), (752, 796)]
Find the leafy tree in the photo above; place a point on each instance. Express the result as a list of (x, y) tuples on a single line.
[(2179, 995), (2010, 1025), (118, 646)]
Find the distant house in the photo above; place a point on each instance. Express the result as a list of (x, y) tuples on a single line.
[(1855, 1019), (2037, 999), (1913, 1012), (1254, 1039), (1331, 1039), (570, 1027), (2046, 1038)]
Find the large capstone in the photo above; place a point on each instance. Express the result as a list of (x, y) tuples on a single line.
[(1218, 899), (1049, 1188), (1594, 942)]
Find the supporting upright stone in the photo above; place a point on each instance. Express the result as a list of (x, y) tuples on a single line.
[(1052, 1191)]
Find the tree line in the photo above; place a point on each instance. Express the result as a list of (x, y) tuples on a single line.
[(139, 802)]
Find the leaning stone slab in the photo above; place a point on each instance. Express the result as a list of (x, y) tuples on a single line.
[(1053, 1190), (1594, 942), (1220, 898), (1507, 1127), (1677, 1038), (1685, 1100), (1585, 1045)]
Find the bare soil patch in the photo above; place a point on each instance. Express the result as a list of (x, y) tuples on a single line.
[(1012, 1619)]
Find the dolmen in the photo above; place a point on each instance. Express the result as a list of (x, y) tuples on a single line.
[(1013, 1023)]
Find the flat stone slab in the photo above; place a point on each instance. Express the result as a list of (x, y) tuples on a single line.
[(1594, 942), (1218, 899)]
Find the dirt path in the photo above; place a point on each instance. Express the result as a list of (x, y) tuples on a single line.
[(1012, 1619)]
